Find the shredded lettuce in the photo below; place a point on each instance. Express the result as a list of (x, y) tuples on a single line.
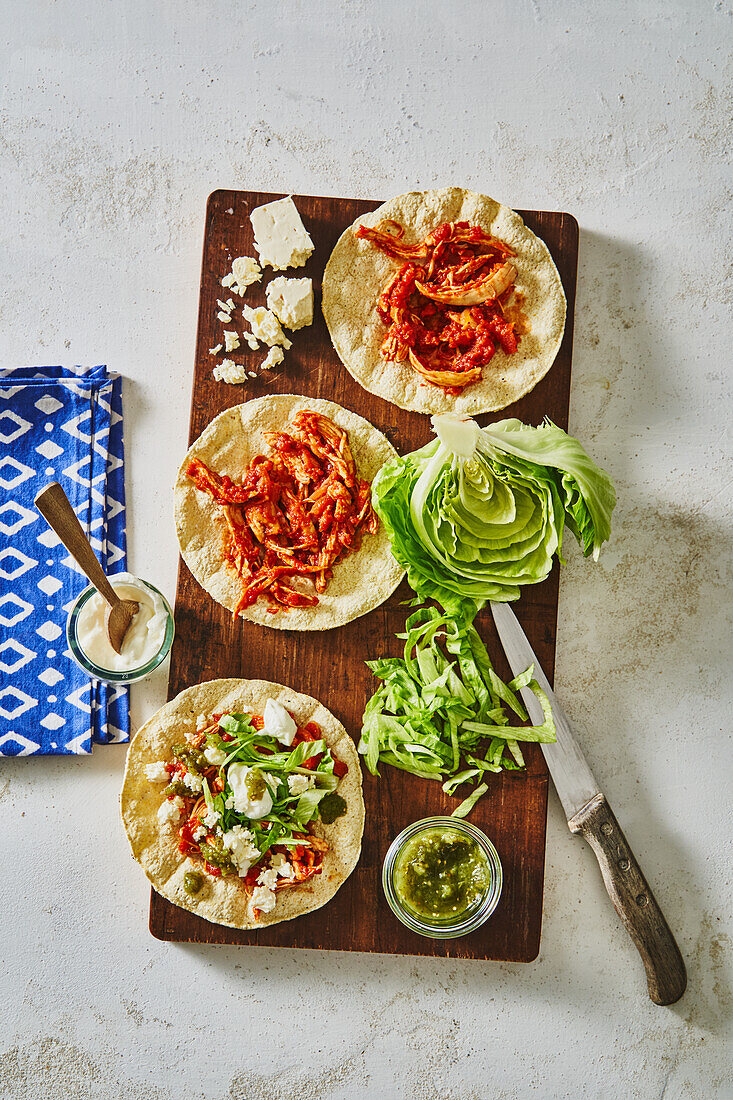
[(478, 512), (468, 803), (441, 710)]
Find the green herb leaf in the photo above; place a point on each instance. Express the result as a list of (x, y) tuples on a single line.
[(304, 751)]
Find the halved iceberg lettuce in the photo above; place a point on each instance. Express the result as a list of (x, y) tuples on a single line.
[(478, 512)]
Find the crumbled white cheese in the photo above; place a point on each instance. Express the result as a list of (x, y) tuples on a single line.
[(239, 800), (225, 318), (291, 300), (169, 812), (240, 842), (262, 899), (272, 780), (278, 722), (210, 818), (245, 272), (229, 305), (156, 773), (251, 374), (214, 755), (199, 832), (279, 863), (251, 340), (229, 371), (267, 878), (299, 783), (280, 236), (273, 358), (265, 326), (202, 721), (231, 340), (194, 782), (216, 350)]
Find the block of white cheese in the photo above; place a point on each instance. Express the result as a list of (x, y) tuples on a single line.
[(265, 326), (291, 300), (280, 236)]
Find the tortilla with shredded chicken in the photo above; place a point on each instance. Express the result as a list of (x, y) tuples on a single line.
[(225, 900), (358, 272), (357, 582)]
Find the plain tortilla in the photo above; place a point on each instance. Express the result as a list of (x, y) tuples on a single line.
[(357, 272), (155, 846), (360, 582)]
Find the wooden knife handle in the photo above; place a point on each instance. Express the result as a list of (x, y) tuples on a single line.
[(633, 901), (53, 504)]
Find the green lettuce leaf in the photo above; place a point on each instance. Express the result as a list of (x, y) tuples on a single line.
[(439, 712), (477, 513)]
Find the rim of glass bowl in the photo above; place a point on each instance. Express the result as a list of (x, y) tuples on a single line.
[(475, 917), (109, 676)]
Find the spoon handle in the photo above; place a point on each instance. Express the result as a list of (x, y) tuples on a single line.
[(53, 504)]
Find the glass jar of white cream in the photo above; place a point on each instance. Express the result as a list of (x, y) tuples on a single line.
[(146, 644)]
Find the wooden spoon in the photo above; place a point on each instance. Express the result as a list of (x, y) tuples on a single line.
[(54, 506)]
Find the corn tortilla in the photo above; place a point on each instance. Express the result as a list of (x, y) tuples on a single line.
[(357, 272), (360, 582), (155, 847)]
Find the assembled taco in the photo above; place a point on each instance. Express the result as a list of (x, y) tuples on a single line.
[(274, 515), (242, 802), (444, 301)]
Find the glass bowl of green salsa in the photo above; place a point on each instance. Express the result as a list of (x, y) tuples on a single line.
[(442, 877)]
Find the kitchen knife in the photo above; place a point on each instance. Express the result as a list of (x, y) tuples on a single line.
[(589, 814)]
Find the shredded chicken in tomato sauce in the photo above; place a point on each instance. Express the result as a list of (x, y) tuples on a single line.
[(295, 513), (447, 307)]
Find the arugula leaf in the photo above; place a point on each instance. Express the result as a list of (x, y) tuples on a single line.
[(307, 805), (237, 723), (289, 813), (304, 751)]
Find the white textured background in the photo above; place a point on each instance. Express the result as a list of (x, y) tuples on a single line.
[(116, 121)]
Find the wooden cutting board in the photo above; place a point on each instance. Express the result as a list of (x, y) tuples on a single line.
[(330, 665)]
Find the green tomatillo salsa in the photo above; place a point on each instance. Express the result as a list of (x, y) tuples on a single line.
[(441, 873)]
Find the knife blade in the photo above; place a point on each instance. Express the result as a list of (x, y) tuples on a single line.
[(589, 815), (573, 779)]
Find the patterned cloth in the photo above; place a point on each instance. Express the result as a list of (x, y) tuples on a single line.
[(56, 424)]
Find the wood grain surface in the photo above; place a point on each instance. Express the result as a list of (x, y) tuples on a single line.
[(330, 665)]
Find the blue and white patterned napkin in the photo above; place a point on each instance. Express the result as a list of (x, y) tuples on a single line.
[(56, 424)]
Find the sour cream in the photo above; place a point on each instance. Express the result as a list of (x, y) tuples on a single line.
[(278, 722), (144, 637), (251, 796)]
